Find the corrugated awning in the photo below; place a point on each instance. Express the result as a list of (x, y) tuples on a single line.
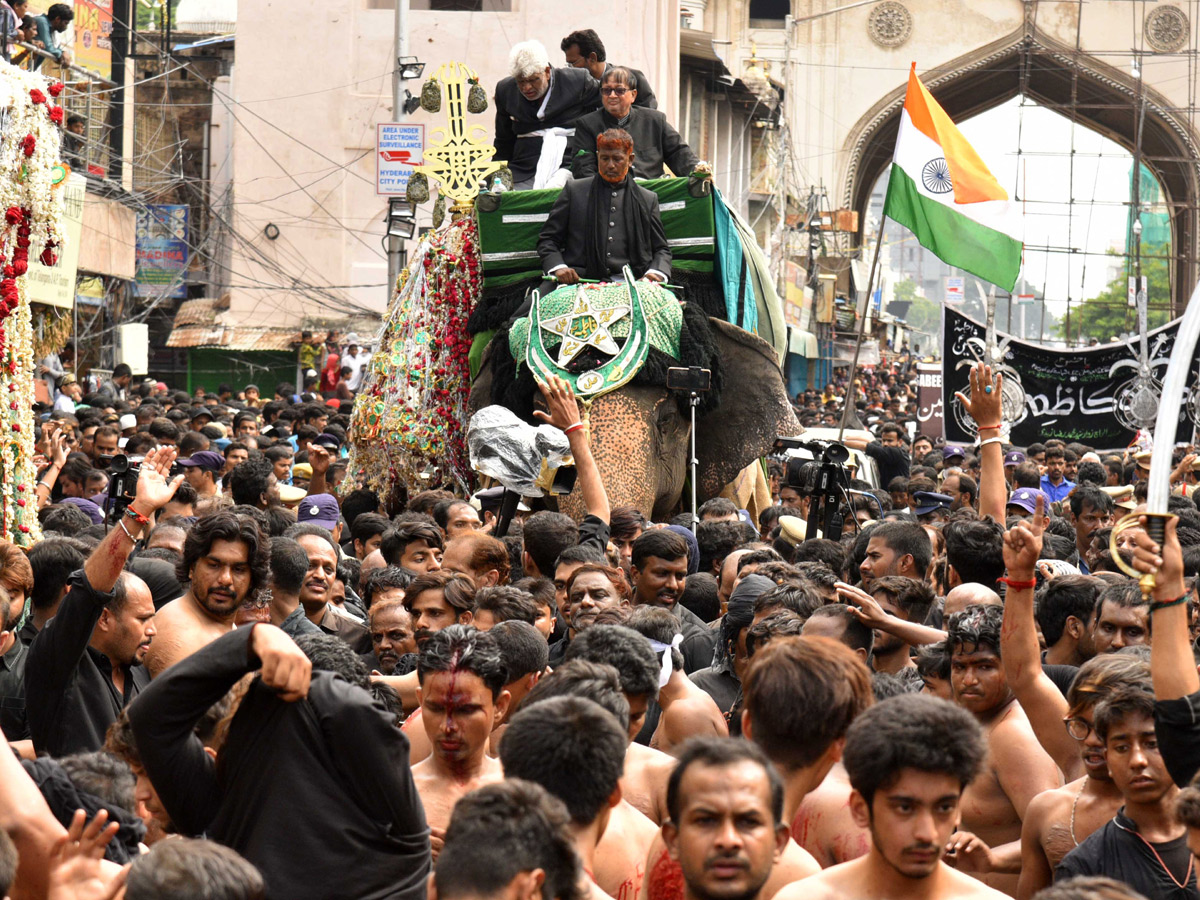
[(698, 45), (205, 323)]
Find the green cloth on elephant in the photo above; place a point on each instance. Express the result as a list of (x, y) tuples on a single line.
[(661, 314), (771, 326), (512, 385), (479, 344), (732, 264)]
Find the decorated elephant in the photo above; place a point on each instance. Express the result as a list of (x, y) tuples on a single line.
[(639, 428)]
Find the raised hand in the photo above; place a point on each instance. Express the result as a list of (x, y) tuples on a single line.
[(560, 400), (1023, 542), (153, 490), (76, 868), (59, 448), (862, 605), (319, 458), (983, 406), (285, 669), (1165, 561)]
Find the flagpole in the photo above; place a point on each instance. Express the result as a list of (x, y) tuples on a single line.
[(848, 406)]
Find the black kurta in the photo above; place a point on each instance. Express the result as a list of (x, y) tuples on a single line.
[(573, 92), (317, 794), (564, 237), (69, 693), (655, 142), (1117, 852)]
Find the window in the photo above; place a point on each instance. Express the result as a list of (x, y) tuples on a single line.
[(769, 13)]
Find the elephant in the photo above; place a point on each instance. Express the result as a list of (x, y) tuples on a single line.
[(640, 432)]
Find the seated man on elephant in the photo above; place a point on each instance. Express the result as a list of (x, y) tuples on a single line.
[(602, 223)]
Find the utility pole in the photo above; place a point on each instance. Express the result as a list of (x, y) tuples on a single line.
[(781, 201), (395, 244)]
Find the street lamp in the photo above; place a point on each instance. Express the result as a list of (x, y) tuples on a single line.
[(401, 218), (410, 67)]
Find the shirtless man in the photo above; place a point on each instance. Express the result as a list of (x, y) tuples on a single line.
[(824, 824), (621, 854), (1016, 769), (462, 699), (726, 830), (575, 749), (226, 558), (909, 759), (687, 710), (644, 782), (1057, 821), (801, 695)]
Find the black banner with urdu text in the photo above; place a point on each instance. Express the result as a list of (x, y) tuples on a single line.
[(1069, 394)]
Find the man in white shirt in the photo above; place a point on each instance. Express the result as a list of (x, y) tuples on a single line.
[(357, 362)]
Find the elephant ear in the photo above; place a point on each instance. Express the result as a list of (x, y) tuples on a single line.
[(754, 409)]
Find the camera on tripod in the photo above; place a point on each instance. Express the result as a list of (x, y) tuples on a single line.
[(824, 479)]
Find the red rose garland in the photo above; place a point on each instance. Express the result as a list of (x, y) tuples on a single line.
[(414, 416)]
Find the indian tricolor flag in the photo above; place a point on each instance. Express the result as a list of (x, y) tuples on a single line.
[(944, 194)]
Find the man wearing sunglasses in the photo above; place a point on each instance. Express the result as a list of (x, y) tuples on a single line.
[(655, 141)]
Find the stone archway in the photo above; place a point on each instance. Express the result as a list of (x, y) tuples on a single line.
[(1070, 82)]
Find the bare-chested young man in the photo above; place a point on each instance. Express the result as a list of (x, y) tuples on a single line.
[(1056, 821), (620, 856), (1016, 770), (462, 698), (644, 782), (226, 559), (687, 710), (909, 759), (575, 749), (801, 694)]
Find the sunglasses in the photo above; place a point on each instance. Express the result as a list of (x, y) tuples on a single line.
[(619, 91)]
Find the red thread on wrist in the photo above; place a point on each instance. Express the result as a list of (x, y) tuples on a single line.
[(1019, 585)]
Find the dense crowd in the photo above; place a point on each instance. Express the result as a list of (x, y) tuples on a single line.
[(227, 670)]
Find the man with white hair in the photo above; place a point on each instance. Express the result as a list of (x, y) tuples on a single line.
[(536, 109)]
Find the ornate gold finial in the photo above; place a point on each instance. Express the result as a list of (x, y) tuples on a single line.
[(754, 68), (459, 159)]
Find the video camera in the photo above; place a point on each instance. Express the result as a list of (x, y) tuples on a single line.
[(824, 479), (123, 473)]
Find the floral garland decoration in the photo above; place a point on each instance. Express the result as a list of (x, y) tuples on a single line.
[(410, 415), (31, 209)]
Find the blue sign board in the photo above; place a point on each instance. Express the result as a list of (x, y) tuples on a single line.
[(162, 251)]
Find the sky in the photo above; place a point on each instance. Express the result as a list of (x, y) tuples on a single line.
[(1041, 176)]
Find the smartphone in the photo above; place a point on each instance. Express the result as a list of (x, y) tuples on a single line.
[(693, 379)]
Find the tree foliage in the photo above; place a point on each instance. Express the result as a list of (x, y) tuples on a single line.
[(1108, 314)]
